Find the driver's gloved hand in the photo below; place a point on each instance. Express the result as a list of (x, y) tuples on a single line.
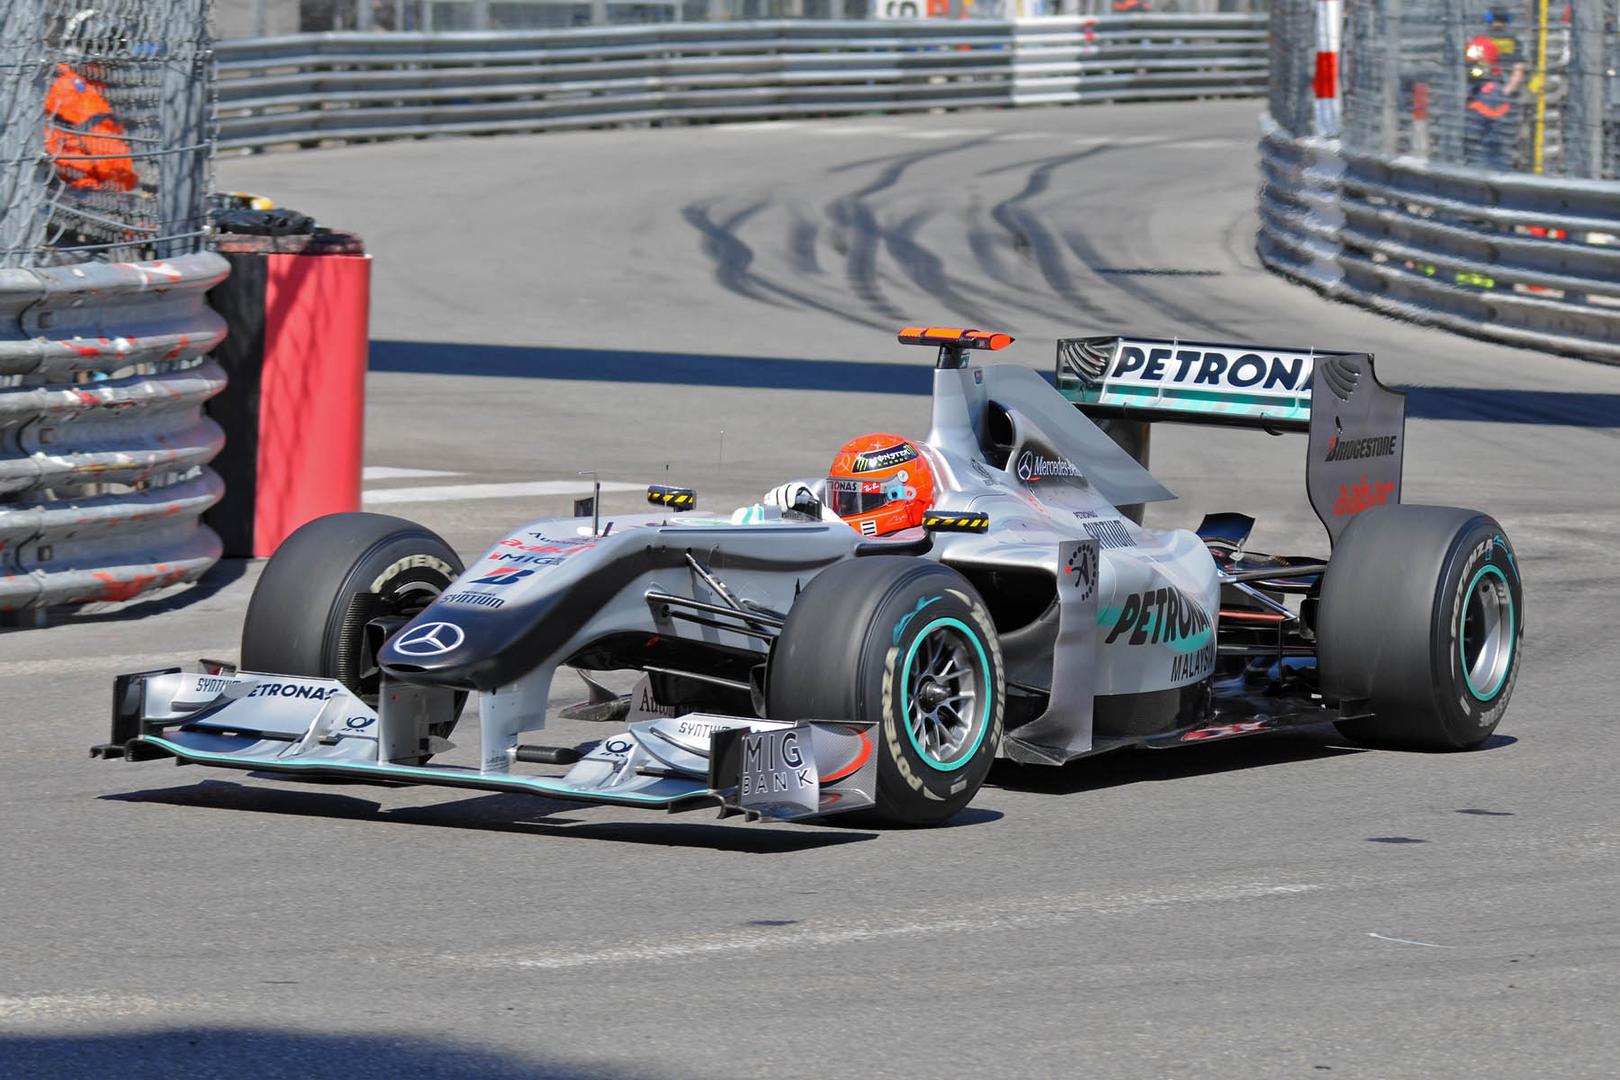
[(794, 495)]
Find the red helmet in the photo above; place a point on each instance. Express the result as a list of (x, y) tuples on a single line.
[(1483, 51), (880, 484)]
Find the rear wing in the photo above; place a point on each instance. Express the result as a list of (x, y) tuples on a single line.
[(1190, 381), (1356, 429)]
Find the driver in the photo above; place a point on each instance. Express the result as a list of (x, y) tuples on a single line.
[(878, 484)]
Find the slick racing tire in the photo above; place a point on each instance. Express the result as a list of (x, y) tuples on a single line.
[(908, 645), (1421, 616), (330, 578)]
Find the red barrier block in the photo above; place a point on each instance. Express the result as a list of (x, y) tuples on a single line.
[(312, 392), (298, 309)]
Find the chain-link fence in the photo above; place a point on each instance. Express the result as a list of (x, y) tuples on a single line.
[(104, 129), (1293, 64), (261, 18), (1468, 180), (1523, 86)]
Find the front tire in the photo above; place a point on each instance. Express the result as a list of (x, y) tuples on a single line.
[(1422, 615), (327, 581), (906, 644)]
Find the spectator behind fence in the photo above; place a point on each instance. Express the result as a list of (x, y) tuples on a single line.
[(1489, 133), (82, 135)]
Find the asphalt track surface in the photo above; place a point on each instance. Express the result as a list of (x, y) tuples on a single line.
[(1276, 907)]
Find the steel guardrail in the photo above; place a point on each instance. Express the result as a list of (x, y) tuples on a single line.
[(104, 449), (309, 89), (1524, 259)]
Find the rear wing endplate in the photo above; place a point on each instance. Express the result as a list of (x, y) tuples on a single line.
[(1355, 424)]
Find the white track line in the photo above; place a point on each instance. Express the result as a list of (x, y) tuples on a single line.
[(388, 472), (947, 133), (848, 129), (1409, 941), (33, 1008), (460, 492), (757, 125), (1043, 911)]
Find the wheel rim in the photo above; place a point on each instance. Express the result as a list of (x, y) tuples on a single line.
[(1487, 638), (947, 697)]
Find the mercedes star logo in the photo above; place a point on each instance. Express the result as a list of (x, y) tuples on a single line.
[(430, 639), (1026, 466)]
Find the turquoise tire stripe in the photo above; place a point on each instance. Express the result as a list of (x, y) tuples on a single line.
[(984, 683)]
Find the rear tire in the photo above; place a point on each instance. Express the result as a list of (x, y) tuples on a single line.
[(326, 581), (906, 644), (1421, 615)]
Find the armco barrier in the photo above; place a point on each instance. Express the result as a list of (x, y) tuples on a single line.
[(1523, 259), (311, 88), (103, 479)]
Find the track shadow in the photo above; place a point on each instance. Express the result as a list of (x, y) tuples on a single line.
[(1134, 766), (658, 368), (967, 816), (524, 814), (1559, 407), (170, 1052), (1499, 406)]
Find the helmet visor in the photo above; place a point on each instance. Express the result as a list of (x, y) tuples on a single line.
[(847, 498)]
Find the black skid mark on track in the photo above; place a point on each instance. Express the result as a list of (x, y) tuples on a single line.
[(973, 300), (802, 245), (733, 260), (928, 270), (1031, 238), (857, 234), (1157, 298), (982, 242)]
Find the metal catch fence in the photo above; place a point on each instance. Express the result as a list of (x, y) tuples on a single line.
[(104, 141), (1522, 86), (308, 89), (1474, 183), (1519, 86)]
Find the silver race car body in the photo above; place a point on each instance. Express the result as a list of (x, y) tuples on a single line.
[(1110, 633)]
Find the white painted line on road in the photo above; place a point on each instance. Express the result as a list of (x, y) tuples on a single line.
[(37, 1007), (388, 472), (1408, 941), (949, 133), (978, 918), (848, 129), (757, 125), (460, 492)]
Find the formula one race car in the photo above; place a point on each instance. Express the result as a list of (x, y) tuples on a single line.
[(792, 667)]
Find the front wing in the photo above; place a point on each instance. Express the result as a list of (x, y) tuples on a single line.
[(317, 727)]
